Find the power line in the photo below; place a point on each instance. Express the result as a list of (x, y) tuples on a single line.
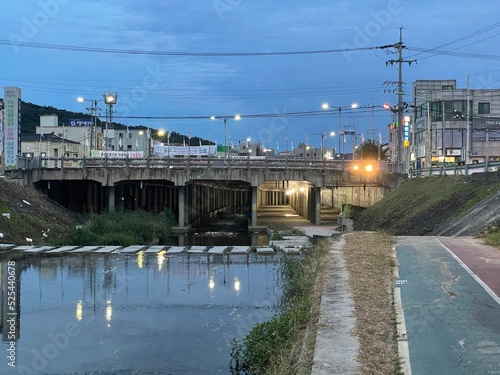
[(458, 54), (486, 29), (176, 53)]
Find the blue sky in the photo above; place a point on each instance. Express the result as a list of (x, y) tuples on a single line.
[(156, 85)]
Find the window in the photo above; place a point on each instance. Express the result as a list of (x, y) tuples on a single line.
[(455, 110), (436, 138), (421, 111), (483, 108), (459, 109), (458, 138), (479, 135), (494, 134), (436, 111)]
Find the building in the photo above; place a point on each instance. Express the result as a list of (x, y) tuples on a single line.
[(247, 148), (92, 137), (449, 125), (51, 147)]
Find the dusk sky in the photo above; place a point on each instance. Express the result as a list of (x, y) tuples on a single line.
[(190, 58)]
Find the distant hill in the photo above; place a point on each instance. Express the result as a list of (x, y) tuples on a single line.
[(30, 119), (30, 116)]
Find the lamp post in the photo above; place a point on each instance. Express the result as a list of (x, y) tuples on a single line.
[(110, 99), (339, 109), (324, 136), (332, 134), (237, 118), (93, 114)]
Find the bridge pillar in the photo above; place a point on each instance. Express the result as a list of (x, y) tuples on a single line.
[(317, 203), (254, 206), (111, 198), (182, 206)]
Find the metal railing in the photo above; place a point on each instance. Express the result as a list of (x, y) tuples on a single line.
[(456, 170), (267, 162), (242, 162)]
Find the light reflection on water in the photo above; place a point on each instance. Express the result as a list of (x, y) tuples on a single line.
[(154, 314)]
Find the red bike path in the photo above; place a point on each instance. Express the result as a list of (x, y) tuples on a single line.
[(482, 260)]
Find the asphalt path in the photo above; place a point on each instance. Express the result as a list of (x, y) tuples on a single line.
[(449, 293)]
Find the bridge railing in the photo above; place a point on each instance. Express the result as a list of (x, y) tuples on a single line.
[(242, 162), (268, 162)]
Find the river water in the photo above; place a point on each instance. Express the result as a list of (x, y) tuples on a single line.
[(132, 314)]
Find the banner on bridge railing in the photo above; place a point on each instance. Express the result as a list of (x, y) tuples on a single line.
[(118, 154), (167, 151)]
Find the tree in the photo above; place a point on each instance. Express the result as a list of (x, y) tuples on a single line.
[(370, 150)]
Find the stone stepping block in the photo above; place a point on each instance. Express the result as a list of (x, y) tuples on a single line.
[(38, 249), (290, 250), (131, 249), (197, 249), (240, 250), (62, 249), (107, 249), (217, 250), (85, 249), (265, 250), (154, 249), (176, 250)]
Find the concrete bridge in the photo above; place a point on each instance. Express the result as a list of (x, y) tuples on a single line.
[(197, 189)]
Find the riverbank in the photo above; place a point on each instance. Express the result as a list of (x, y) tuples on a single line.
[(356, 329)]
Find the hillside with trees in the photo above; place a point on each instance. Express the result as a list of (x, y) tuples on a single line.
[(30, 119)]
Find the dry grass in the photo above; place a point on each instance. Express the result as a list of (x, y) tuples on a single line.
[(369, 260)]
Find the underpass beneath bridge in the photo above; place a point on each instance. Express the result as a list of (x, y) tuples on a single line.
[(198, 194)]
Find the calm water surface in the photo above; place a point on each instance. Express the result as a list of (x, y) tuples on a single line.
[(137, 314)]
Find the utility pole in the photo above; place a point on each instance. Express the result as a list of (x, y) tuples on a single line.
[(400, 46)]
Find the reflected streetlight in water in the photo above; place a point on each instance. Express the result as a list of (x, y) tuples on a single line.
[(237, 284), (79, 310), (109, 312), (211, 284), (160, 258), (140, 258)]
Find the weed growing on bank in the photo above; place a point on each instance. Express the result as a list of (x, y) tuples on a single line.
[(284, 345), (122, 229), (280, 230)]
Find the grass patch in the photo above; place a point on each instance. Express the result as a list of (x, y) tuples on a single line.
[(281, 230), (284, 344), (491, 235), (421, 205), (122, 229)]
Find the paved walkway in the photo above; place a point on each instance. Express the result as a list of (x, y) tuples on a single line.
[(452, 312), (449, 291)]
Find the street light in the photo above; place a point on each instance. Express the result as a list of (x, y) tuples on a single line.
[(93, 114), (332, 134), (236, 117), (160, 133), (110, 99), (339, 109)]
